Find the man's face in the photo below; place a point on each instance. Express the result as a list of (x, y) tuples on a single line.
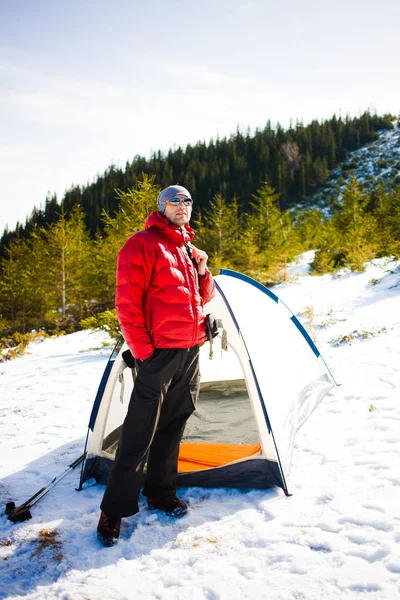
[(180, 214)]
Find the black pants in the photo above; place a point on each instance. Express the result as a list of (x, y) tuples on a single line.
[(164, 396)]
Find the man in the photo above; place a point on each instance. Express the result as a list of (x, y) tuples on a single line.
[(162, 286)]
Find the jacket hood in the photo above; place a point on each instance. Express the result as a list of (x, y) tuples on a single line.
[(160, 222)]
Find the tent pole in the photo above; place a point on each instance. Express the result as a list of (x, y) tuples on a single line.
[(79, 488), (22, 512)]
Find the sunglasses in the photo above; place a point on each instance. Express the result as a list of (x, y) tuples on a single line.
[(175, 201)]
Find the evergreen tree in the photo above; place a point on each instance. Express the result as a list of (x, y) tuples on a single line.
[(218, 231), (68, 267), (309, 225), (22, 295), (385, 209), (11, 291), (348, 240), (329, 254), (265, 222), (270, 235), (134, 207)]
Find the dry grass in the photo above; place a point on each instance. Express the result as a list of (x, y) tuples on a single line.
[(48, 539), (214, 540), (356, 335), (16, 344)]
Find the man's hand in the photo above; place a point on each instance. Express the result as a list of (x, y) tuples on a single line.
[(201, 258)]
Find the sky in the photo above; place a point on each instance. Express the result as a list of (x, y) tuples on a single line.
[(89, 83), (335, 538)]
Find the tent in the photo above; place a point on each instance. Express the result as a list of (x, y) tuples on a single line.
[(265, 378)]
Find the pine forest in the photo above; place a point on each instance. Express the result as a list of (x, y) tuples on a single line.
[(259, 200)]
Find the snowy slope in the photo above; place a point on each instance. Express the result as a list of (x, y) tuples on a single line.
[(375, 162), (337, 537)]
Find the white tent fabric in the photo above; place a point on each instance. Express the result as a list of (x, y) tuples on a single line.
[(287, 369), (268, 348)]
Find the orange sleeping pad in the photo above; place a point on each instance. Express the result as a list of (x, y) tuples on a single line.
[(195, 456)]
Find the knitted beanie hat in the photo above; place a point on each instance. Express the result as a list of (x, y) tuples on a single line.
[(168, 193)]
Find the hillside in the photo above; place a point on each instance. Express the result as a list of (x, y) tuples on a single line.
[(375, 163), (55, 275), (295, 162)]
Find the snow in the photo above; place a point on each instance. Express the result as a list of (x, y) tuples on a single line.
[(336, 537), (376, 161)]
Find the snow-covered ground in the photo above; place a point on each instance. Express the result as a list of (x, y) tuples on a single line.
[(337, 536)]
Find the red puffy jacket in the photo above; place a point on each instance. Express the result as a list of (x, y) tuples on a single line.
[(160, 297)]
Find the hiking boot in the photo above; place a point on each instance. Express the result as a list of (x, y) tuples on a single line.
[(108, 529), (171, 505)]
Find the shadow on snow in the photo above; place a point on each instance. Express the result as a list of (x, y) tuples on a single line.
[(61, 536)]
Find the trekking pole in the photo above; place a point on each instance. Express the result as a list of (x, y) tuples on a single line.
[(22, 513)]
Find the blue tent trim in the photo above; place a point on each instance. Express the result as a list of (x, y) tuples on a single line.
[(226, 301), (256, 284), (100, 393), (306, 335), (229, 273), (103, 382), (275, 298), (261, 398), (266, 291)]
